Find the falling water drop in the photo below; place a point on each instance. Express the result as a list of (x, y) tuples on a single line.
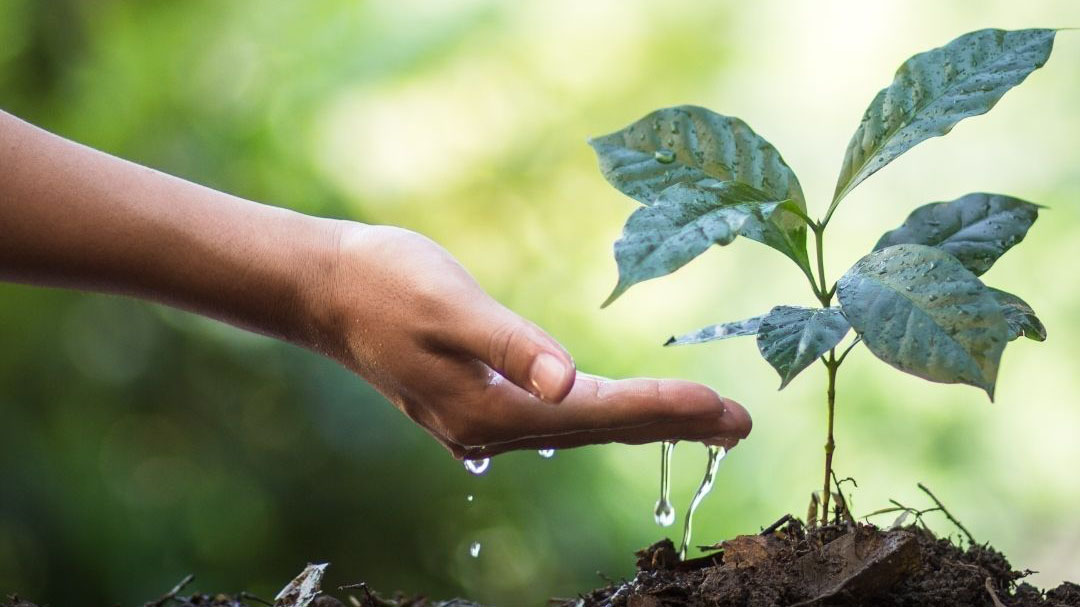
[(664, 513), (715, 455), (474, 549), (546, 453), (664, 156), (478, 466)]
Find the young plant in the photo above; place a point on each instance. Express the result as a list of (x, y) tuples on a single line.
[(915, 301)]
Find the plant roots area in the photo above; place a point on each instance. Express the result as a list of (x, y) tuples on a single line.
[(789, 564)]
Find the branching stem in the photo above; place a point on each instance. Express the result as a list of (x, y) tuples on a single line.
[(832, 363), (823, 293)]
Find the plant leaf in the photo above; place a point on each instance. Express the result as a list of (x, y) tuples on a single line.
[(690, 144), (725, 330), (1019, 315), (920, 310), (684, 221), (976, 228), (933, 91), (791, 338)]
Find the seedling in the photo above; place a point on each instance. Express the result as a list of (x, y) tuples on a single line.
[(915, 301)]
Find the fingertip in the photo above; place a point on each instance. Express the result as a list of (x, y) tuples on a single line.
[(736, 420), (551, 376)]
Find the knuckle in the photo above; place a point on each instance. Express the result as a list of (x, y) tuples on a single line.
[(500, 343)]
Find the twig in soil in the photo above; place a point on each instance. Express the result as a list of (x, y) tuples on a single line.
[(842, 502), (370, 598), (170, 595), (773, 527), (993, 594), (947, 514)]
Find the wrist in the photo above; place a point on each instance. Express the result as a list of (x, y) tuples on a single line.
[(315, 267)]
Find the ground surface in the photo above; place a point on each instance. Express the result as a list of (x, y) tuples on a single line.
[(835, 565)]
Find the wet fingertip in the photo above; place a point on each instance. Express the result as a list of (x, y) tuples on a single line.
[(551, 377), (727, 442), (736, 419)]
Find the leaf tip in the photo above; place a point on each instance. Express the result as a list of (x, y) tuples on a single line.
[(669, 341), (619, 290)]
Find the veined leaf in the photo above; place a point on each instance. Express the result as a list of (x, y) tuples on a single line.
[(976, 229), (685, 220), (1019, 315), (725, 330), (933, 91), (690, 144), (791, 338), (920, 310)]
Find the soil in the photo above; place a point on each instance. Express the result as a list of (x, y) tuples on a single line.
[(834, 565), (787, 565)]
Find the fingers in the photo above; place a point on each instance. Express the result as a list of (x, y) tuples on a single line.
[(519, 350), (598, 410), (638, 435)]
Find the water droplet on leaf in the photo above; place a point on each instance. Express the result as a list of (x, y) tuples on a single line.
[(664, 156), (546, 453), (474, 549)]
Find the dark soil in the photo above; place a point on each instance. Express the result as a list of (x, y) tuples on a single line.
[(833, 565), (836, 565)]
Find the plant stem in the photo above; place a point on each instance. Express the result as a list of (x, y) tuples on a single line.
[(831, 364), (823, 293)]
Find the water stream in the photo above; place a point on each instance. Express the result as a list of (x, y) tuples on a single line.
[(715, 455), (664, 513)]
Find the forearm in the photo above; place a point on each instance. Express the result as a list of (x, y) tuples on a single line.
[(74, 217)]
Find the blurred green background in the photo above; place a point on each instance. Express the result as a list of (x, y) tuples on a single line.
[(138, 443)]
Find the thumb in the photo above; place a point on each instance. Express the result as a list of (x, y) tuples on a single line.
[(516, 348)]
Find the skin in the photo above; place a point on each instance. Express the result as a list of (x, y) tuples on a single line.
[(387, 303)]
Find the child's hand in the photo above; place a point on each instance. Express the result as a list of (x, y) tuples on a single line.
[(407, 317)]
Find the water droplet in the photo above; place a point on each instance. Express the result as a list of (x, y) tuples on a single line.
[(664, 156), (664, 513), (715, 455), (546, 453), (474, 549), (468, 498), (478, 466)]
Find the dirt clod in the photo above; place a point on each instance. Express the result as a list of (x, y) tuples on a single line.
[(835, 565)]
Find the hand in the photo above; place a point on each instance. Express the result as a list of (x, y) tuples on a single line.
[(402, 313)]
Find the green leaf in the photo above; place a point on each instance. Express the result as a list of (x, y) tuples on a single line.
[(976, 229), (933, 91), (1019, 315), (791, 338), (690, 144), (685, 220), (721, 331), (920, 310)]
